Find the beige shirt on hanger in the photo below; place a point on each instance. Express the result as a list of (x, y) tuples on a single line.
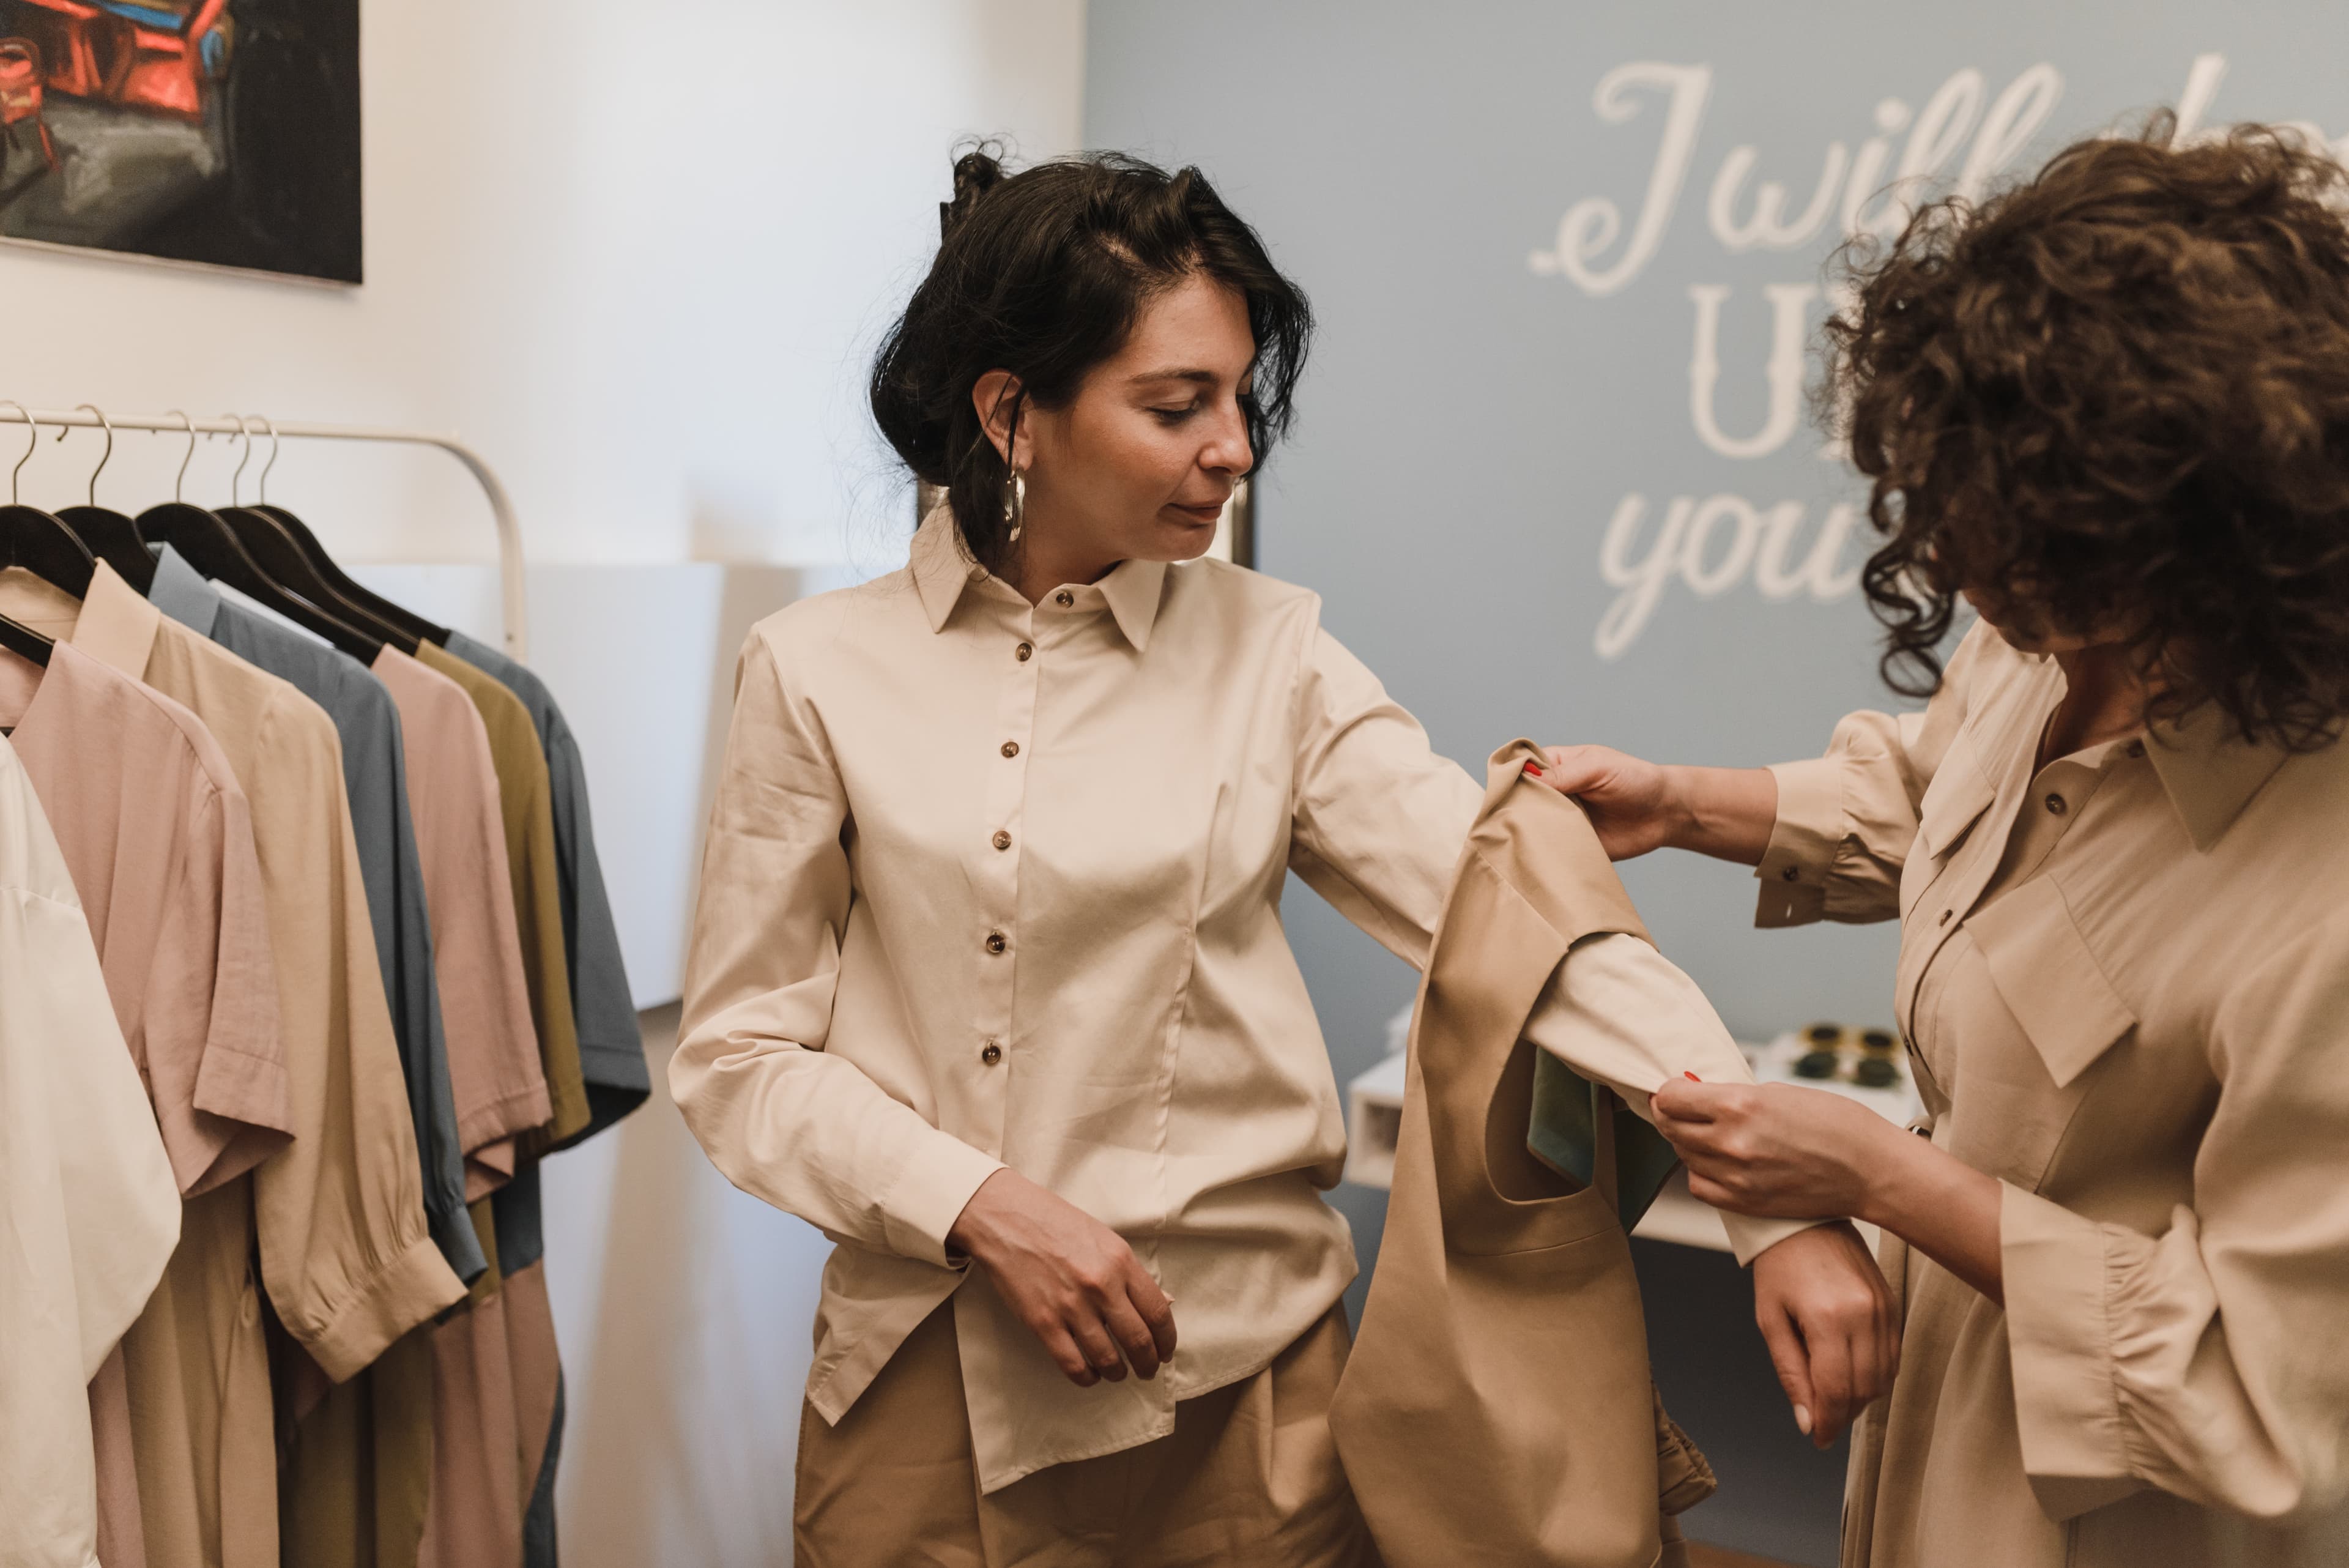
[(990, 884), (87, 1199), (2123, 978), (338, 1213)]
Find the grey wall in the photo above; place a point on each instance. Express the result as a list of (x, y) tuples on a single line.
[(1475, 416)]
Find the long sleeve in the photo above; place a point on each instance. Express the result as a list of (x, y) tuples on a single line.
[(784, 1119), (2207, 1360), (1377, 817), (88, 1208), (1847, 820), (1620, 1012), (1379, 824)]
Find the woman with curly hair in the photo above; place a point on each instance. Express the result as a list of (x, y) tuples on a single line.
[(2110, 411)]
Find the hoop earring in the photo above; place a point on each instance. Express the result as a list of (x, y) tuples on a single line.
[(1015, 505)]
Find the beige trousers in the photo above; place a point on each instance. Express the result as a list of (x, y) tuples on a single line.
[(1249, 1476)]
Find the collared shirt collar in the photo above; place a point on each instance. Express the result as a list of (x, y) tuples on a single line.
[(117, 627), (944, 570), (183, 593), (2209, 773)]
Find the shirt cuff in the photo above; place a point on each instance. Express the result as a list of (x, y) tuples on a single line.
[(1803, 843), (930, 1194), (1749, 1238), (412, 1286), (2060, 1341)]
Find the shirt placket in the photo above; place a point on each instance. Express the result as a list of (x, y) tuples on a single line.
[(994, 1039)]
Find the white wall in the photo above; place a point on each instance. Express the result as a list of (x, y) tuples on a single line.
[(635, 253)]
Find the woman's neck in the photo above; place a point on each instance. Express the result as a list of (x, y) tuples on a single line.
[(2105, 699), (1047, 562)]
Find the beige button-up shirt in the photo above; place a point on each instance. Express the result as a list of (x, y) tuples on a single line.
[(2123, 978), (88, 1200), (991, 884)]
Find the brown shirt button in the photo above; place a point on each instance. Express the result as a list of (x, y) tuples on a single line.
[(1945, 916), (991, 1054), (1791, 873), (1010, 748), (1064, 599), (995, 942), (1002, 839), (1024, 652), (2055, 805)]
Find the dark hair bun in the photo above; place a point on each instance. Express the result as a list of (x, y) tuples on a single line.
[(976, 173)]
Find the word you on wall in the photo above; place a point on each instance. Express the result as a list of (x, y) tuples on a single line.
[(1959, 142)]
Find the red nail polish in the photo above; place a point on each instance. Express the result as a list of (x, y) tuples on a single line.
[(1691, 1077), (1533, 770)]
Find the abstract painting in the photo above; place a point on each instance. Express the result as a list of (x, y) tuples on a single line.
[(224, 132)]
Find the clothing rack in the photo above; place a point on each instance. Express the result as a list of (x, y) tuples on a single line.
[(513, 601)]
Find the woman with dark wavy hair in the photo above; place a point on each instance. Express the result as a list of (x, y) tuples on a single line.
[(2110, 411)]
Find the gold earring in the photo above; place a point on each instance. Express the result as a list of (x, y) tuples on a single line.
[(1015, 505)]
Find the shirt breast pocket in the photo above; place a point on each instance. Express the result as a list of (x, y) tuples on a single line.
[(2049, 981)]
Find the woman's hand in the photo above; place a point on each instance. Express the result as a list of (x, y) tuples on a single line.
[(1793, 1153), (1072, 1280), (1638, 805), (1774, 1149), (1829, 1319)]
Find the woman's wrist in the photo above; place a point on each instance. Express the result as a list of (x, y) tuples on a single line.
[(1940, 1206), (1898, 1177), (1727, 812)]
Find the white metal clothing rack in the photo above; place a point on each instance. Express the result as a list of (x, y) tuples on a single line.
[(516, 611)]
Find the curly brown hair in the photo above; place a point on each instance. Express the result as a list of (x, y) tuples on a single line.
[(2117, 396)]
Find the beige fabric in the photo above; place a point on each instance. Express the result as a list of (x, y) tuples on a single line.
[(2123, 977), (1155, 754), (452, 788), (526, 801), (1248, 1475), (338, 1214), (87, 1199), (1493, 1265)]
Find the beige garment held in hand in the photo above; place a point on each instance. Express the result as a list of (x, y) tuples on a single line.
[(1498, 1407), (2125, 980)]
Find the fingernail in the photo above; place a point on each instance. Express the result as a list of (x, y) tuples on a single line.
[(1533, 770), (1691, 1077), (1803, 1419)]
